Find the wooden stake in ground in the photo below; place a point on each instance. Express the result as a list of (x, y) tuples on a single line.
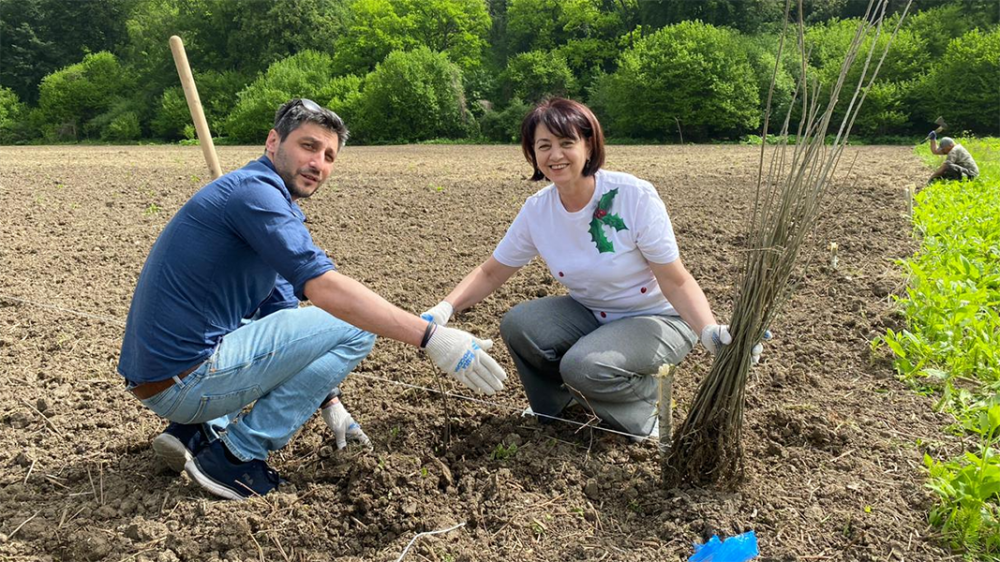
[(707, 448), (664, 410), (194, 105)]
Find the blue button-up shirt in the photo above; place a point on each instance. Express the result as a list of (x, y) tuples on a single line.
[(215, 263)]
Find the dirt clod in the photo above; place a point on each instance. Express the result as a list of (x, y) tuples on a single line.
[(22, 459)]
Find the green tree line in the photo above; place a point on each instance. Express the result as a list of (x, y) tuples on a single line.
[(413, 70)]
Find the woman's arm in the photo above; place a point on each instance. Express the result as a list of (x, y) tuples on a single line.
[(684, 293), (480, 283)]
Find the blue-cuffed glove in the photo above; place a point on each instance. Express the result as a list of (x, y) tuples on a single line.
[(758, 349), (439, 314), (343, 425), (463, 356), (932, 135), (714, 336)]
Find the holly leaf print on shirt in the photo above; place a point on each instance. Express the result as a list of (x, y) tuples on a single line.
[(601, 218)]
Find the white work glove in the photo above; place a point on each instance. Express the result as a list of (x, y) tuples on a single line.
[(343, 425), (463, 356), (439, 314), (714, 336)]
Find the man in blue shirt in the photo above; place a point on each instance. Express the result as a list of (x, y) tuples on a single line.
[(238, 250)]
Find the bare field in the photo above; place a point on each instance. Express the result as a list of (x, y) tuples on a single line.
[(833, 468)]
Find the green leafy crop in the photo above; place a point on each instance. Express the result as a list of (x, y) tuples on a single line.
[(951, 341)]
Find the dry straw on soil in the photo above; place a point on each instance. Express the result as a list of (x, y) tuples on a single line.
[(707, 448)]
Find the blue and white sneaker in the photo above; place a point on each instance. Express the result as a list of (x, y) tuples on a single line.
[(178, 444), (215, 472)]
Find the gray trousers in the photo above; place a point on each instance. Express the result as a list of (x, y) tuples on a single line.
[(561, 351)]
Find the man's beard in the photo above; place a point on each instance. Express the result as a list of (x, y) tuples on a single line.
[(288, 176), (294, 189)]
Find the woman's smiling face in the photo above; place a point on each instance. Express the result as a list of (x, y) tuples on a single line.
[(561, 159)]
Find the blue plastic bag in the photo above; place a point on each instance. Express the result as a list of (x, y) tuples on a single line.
[(734, 549)]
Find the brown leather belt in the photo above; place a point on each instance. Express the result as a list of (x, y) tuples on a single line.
[(150, 389)]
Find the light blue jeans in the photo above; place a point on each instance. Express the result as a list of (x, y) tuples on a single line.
[(285, 363)]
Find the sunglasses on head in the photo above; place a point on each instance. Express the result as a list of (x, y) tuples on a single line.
[(307, 104)]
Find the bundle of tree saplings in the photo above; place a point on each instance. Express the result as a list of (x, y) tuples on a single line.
[(707, 447)]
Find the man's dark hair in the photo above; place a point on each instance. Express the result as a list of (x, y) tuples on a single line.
[(296, 111), (568, 119)]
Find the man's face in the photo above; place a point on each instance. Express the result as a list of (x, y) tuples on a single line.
[(304, 159), (948, 148)]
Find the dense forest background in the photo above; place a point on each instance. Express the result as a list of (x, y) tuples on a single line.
[(415, 70)]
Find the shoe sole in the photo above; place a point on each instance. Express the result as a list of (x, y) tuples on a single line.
[(172, 451), (209, 483)]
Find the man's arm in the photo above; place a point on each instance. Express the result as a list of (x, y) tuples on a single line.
[(934, 147), (455, 352), (358, 305)]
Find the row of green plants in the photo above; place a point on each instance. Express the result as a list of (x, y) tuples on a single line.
[(397, 75), (951, 342)]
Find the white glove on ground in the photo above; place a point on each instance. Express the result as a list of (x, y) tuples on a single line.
[(714, 336), (439, 314), (343, 425), (463, 356)]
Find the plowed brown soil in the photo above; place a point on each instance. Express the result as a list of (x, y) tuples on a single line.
[(834, 441)]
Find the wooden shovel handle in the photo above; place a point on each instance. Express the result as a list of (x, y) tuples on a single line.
[(194, 105)]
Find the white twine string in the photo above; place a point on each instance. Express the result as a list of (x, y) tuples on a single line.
[(418, 535), (498, 405), (61, 309), (380, 379)]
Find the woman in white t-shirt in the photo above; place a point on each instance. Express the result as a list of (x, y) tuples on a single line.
[(606, 236)]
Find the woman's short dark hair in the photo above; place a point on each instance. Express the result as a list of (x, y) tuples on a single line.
[(565, 118)]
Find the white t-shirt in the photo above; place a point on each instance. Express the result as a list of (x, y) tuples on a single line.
[(612, 284)]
